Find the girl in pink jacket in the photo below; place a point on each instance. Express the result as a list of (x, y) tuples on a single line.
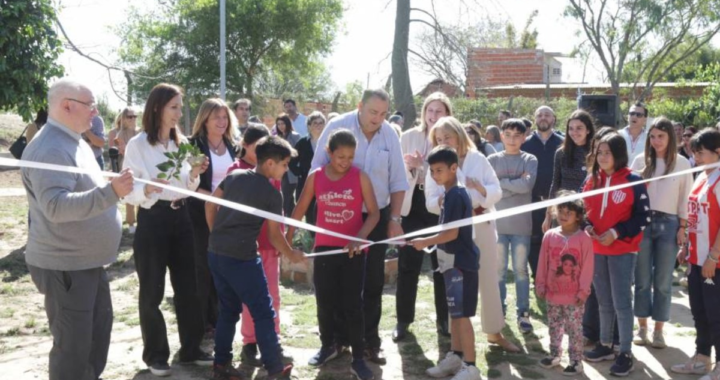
[(565, 272)]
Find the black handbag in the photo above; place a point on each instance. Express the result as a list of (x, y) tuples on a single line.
[(17, 148)]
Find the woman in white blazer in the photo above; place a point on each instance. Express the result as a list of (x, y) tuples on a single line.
[(476, 174), (415, 147)]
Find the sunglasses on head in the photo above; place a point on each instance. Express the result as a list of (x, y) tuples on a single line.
[(637, 114)]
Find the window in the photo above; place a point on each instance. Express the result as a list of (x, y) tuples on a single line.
[(557, 71)]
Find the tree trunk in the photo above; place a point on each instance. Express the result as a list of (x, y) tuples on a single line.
[(402, 91), (128, 78), (335, 102)]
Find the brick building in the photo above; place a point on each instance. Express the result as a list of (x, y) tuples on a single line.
[(490, 67)]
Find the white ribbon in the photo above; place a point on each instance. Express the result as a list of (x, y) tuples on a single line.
[(399, 240)]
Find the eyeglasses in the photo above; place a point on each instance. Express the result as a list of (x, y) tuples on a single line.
[(688, 135), (131, 116), (91, 105), (636, 114)]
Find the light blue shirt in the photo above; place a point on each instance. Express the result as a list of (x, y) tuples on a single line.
[(380, 158), (300, 125)]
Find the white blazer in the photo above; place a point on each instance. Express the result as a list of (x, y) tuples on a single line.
[(413, 140)]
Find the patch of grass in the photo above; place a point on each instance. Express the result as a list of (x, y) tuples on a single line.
[(30, 323), (130, 285), (15, 331), (7, 312)]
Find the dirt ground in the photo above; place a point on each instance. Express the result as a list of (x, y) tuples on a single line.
[(25, 340)]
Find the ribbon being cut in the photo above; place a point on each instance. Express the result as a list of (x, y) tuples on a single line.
[(399, 240)]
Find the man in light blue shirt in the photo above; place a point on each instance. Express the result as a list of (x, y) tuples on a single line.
[(379, 155), (299, 121)]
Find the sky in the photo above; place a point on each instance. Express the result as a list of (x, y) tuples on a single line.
[(361, 50)]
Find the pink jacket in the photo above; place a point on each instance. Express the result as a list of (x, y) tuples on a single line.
[(565, 267)]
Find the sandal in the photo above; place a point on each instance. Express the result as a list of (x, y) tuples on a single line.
[(504, 344)]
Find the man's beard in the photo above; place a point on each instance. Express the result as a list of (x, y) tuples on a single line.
[(544, 127)]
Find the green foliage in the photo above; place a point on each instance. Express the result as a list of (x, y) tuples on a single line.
[(29, 49), (171, 168), (108, 114), (700, 112), (648, 38), (487, 109), (271, 45)]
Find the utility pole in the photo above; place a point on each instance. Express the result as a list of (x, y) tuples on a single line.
[(222, 49)]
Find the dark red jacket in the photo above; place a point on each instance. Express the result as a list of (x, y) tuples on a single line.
[(626, 210)]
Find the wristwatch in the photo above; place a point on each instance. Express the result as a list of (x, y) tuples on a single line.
[(397, 219)]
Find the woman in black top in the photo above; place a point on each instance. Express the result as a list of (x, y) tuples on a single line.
[(213, 134), (300, 165), (570, 167)]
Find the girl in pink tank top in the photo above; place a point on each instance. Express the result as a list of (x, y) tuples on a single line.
[(340, 191)]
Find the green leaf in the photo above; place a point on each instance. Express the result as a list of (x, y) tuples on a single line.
[(168, 155), (165, 166), (162, 176)]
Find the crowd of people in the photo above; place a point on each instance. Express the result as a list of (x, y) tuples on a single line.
[(598, 262)]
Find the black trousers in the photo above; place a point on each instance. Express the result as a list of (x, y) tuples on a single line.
[(705, 308), (338, 283), (207, 296), (538, 217), (80, 315), (410, 264), (288, 193), (164, 240), (372, 288)]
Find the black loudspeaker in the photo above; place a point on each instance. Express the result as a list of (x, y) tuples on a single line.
[(114, 155), (601, 107)]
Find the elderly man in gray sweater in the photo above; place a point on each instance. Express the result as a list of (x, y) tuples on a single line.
[(75, 230)]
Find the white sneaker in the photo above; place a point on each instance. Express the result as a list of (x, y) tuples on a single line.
[(698, 365), (131, 229), (448, 366), (641, 337), (160, 369), (714, 375), (469, 372)]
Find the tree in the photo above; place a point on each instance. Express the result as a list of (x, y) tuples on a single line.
[(658, 34), (178, 41), (402, 89), (29, 48), (451, 42)]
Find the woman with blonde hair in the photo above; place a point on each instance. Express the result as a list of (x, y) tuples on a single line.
[(415, 216), (478, 176), (125, 128), (213, 133)]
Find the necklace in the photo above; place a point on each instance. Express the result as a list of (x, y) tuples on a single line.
[(215, 148)]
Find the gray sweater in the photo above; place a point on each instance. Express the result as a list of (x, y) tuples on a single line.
[(75, 223), (516, 189)]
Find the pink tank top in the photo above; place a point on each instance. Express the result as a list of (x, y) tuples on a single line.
[(339, 206)]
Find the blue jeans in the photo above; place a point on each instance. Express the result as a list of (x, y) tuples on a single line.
[(654, 270), (613, 281), (101, 161), (518, 246), (243, 282)]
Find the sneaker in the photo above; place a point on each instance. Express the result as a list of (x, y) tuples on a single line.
[(524, 324), (623, 365), (160, 369), (249, 355), (131, 229), (227, 372), (360, 370), (467, 372), (375, 355), (714, 375), (699, 364), (600, 353), (323, 356), (587, 342), (448, 366), (684, 282), (574, 368), (284, 374), (641, 338), (658, 339), (549, 362), (203, 359)]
